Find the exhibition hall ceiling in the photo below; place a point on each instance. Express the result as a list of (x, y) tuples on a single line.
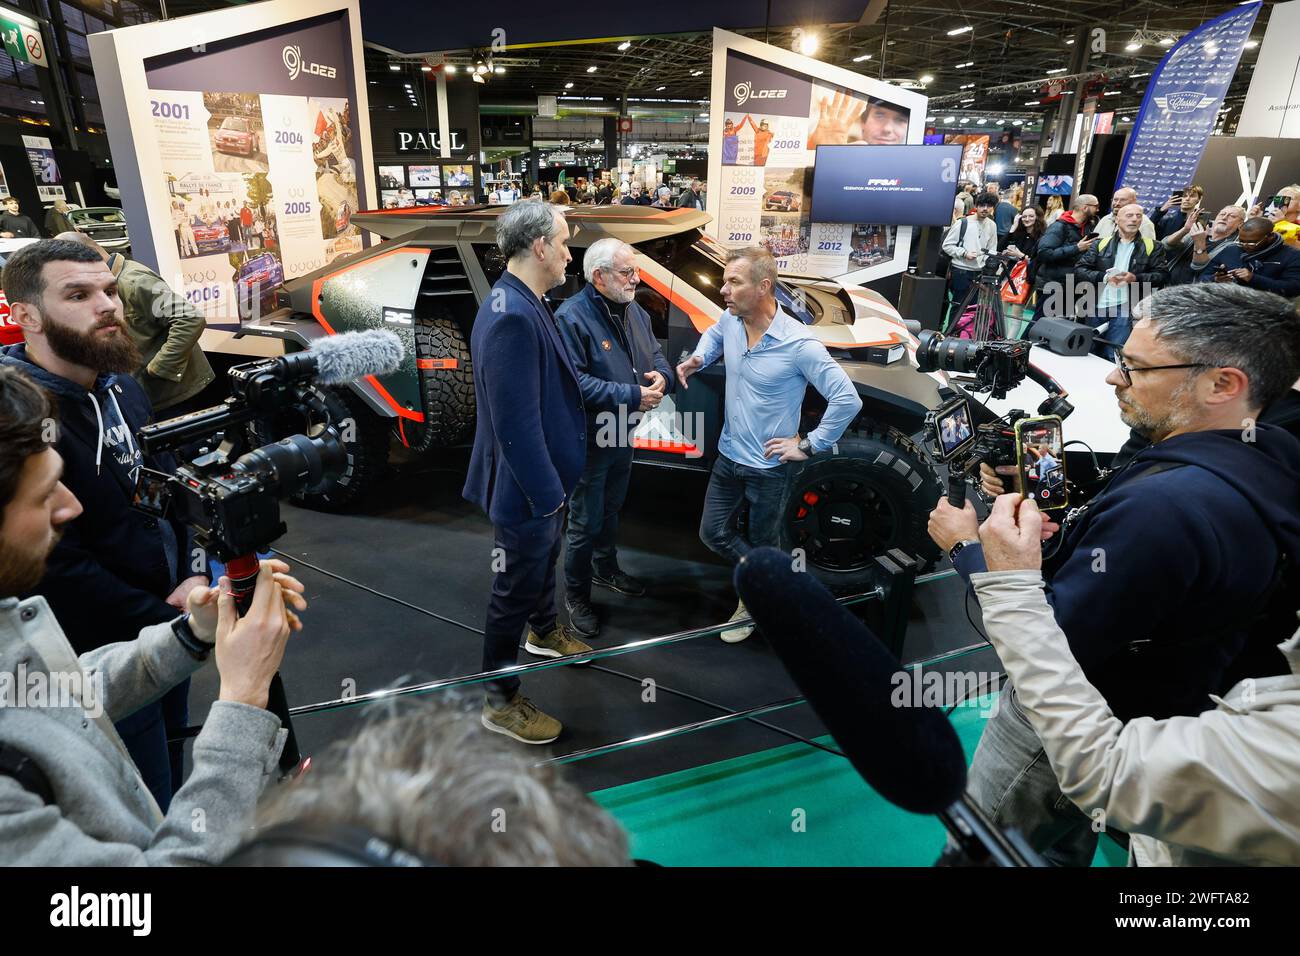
[(968, 48)]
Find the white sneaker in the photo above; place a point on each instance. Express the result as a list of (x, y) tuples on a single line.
[(738, 634)]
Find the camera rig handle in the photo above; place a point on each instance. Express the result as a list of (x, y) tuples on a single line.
[(956, 487), (242, 572)]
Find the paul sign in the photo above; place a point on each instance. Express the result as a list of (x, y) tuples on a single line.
[(411, 140)]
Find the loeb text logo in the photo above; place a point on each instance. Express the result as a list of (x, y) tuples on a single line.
[(293, 61), (745, 91)]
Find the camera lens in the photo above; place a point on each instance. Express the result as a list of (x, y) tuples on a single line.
[(297, 463), (935, 352)]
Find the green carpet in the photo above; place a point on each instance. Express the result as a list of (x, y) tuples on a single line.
[(789, 806)]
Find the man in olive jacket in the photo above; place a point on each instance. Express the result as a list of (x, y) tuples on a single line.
[(165, 327)]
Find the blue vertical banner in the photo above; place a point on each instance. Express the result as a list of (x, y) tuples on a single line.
[(1181, 106)]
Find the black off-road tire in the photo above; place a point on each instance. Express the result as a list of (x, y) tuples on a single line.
[(447, 389), (844, 508)]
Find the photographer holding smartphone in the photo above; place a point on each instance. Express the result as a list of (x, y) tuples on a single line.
[(1219, 788), (1159, 581)]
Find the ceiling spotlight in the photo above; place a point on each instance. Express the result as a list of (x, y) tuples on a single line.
[(962, 66), (697, 73), (1112, 93), (971, 100), (499, 70), (626, 44), (426, 68), (395, 67), (591, 69), (450, 68), (1251, 44), (965, 120), (983, 121), (929, 119), (808, 43), (1018, 123), (660, 89), (966, 86), (1059, 69), (1127, 119), (1069, 42), (960, 30), (949, 119), (569, 85), (1031, 103), (1134, 76), (1133, 45), (927, 78)]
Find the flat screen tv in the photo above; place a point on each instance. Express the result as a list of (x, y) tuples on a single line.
[(1055, 184), (888, 185)]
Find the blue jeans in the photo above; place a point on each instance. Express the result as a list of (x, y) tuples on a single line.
[(593, 518), (1012, 781), (522, 591), (730, 486), (1119, 325)]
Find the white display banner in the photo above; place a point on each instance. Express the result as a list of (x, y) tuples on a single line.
[(251, 146), (772, 109), (1272, 105)]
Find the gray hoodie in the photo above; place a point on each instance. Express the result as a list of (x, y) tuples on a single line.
[(103, 814)]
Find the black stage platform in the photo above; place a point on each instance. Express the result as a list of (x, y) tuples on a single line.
[(417, 540)]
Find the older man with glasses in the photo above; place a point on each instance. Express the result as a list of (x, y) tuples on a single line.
[(622, 371), (1159, 582)]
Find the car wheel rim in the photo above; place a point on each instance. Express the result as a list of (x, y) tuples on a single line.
[(842, 522)]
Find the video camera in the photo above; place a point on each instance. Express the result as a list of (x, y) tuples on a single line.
[(998, 367), (229, 495)]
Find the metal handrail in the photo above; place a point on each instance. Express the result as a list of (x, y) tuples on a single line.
[(586, 657), (678, 731), (570, 660)]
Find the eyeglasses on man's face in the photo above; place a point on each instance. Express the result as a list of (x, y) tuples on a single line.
[(1126, 371), (625, 274)]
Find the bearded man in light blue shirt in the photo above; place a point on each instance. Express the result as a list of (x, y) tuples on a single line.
[(771, 360)]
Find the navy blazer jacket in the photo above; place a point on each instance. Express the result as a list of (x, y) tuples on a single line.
[(610, 368), (530, 442)]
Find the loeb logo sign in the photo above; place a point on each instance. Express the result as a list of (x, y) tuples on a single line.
[(293, 62), (745, 91)]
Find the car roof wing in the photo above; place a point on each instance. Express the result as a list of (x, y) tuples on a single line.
[(632, 224)]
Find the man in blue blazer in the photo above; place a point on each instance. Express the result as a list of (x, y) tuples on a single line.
[(529, 450)]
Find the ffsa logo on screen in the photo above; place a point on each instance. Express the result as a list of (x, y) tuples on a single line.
[(293, 62)]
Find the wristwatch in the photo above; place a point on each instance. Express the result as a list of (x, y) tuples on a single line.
[(806, 447), (957, 548), (197, 649)]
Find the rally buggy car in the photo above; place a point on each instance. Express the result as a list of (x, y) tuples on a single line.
[(426, 281)]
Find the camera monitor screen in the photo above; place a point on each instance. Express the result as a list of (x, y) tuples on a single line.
[(953, 428), (888, 185)]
